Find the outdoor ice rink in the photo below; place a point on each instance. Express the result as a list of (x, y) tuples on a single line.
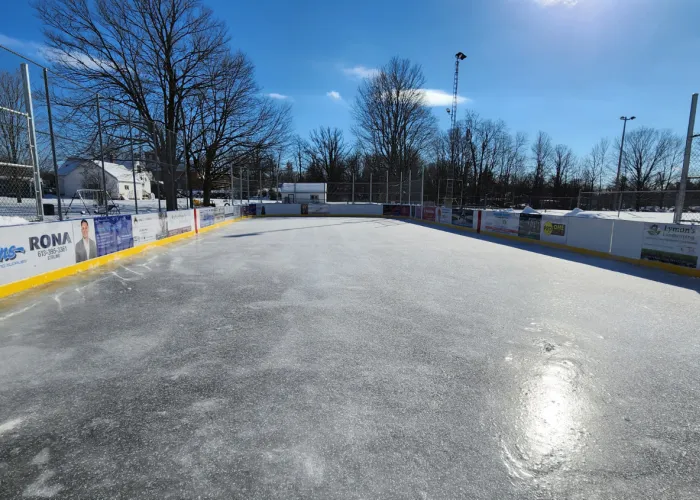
[(352, 358)]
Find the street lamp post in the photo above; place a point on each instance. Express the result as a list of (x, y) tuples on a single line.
[(619, 161)]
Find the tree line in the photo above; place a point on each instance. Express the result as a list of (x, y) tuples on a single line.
[(169, 83), (487, 163)]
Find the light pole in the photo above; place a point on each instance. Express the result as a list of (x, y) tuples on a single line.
[(619, 161)]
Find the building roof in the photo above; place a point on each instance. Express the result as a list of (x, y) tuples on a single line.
[(303, 187), (116, 170)]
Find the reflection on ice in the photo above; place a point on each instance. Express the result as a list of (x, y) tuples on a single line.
[(549, 428)]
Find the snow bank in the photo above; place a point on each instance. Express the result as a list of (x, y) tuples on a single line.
[(577, 212), (10, 220), (529, 210)]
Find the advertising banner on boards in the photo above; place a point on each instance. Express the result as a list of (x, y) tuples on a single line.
[(220, 214), (180, 221), (113, 233), (419, 213), (31, 249), (147, 228), (671, 243), (429, 213), (554, 229), (404, 211), (252, 209), (318, 209), (500, 222), (444, 215), (463, 218), (530, 226), (206, 216), (84, 239)]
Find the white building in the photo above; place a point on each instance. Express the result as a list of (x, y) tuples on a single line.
[(77, 174), (303, 192)]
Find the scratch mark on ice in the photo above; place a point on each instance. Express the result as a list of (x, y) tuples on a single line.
[(15, 313)]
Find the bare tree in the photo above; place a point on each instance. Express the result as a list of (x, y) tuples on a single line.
[(563, 163), (328, 151), (229, 120), (542, 155), (648, 154), (597, 164), (392, 118), (147, 56)]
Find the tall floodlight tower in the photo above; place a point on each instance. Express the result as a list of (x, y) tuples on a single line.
[(454, 133)]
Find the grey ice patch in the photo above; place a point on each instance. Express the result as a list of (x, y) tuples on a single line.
[(39, 488), (41, 458)]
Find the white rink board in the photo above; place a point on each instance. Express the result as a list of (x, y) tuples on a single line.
[(500, 222), (148, 228), (35, 249), (180, 221)]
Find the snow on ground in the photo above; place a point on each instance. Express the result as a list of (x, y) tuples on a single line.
[(11, 220)]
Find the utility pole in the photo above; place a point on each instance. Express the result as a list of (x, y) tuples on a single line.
[(459, 56), (680, 199), (619, 162)]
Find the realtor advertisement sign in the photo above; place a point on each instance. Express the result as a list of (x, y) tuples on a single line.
[(671, 243), (180, 221), (33, 249), (501, 222), (113, 234), (149, 227)]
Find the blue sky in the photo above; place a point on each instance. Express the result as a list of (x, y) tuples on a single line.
[(569, 67)]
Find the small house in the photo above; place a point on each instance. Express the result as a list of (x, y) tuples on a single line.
[(303, 192), (77, 174)]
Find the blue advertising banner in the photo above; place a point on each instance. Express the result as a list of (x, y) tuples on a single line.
[(113, 234), (252, 209)]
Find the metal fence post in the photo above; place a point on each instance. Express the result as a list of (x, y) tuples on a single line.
[(401, 188), (353, 188), (370, 188), (231, 184), (32, 140), (680, 199), (102, 153), (160, 176), (409, 188), (247, 170), (387, 186), (240, 183), (53, 143), (133, 165), (422, 185)]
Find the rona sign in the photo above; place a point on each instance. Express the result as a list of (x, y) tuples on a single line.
[(49, 240)]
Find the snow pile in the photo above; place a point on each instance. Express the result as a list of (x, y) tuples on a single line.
[(10, 220), (577, 212), (529, 210)]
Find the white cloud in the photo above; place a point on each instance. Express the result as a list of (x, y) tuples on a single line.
[(48, 55), (551, 3), (275, 95), (435, 97), (334, 95), (360, 72)]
